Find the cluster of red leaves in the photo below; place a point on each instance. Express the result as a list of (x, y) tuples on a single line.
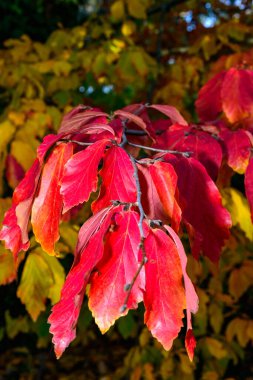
[(129, 250)]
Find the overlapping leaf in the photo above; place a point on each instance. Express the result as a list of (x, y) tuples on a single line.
[(165, 180), (118, 182), (199, 144), (164, 298), (89, 251), (238, 145), (15, 224), (80, 174), (229, 92), (119, 252), (249, 185), (47, 206), (207, 221), (116, 270)]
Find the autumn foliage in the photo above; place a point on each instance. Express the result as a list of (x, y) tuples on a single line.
[(141, 195), (156, 178)]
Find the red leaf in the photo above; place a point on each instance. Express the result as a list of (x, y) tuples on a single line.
[(190, 344), (47, 143), (141, 111), (201, 145), (207, 221), (191, 295), (116, 270), (209, 103), (237, 94), (164, 298), (96, 128), (165, 180), (249, 185), (14, 171), (80, 175), (118, 181), (76, 121), (150, 199), (89, 251), (230, 91), (47, 206), (11, 234), (238, 146), (171, 112), (128, 116), (15, 223)]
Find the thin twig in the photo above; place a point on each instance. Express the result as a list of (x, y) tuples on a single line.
[(136, 132), (77, 142), (129, 287), (185, 154), (139, 204)]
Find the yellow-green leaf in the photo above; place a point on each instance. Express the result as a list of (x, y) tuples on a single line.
[(15, 325), (138, 8), (117, 10), (238, 207), (7, 268), (216, 348), (42, 278), (241, 279), (238, 327), (24, 153)]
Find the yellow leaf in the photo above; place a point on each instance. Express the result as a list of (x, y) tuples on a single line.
[(7, 130), (44, 67), (100, 65), (37, 105), (15, 325), (42, 50), (139, 62), (209, 46), (216, 348), (148, 372), (62, 68), (216, 317), (250, 330), (185, 365), (128, 28), (42, 278), (5, 204), (24, 153), (17, 118), (58, 275), (238, 327), (241, 279), (7, 268), (138, 8), (117, 10), (238, 207), (69, 235), (210, 375)]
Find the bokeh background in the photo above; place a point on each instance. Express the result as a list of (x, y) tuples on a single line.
[(108, 54)]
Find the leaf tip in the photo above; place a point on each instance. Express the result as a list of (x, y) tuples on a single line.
[(190, 344)]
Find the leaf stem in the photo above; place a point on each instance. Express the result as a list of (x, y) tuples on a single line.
[(129, 287), (185, 154)]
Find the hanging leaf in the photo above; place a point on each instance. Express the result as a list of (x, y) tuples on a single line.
[(42, 278), (116, 271), (80, 175), (47, 206), (118, 182)]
